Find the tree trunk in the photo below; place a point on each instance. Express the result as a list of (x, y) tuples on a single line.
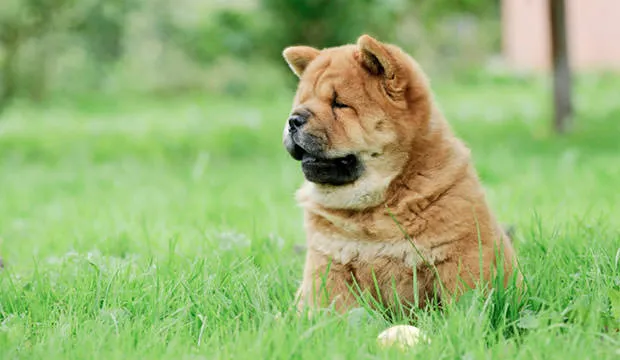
[(39, 77), (8, 74), (563, 106)]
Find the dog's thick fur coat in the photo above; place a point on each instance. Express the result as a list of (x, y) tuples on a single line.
[(417, 207)]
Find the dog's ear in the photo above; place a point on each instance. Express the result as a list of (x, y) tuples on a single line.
[(379, 60), (299, 57)]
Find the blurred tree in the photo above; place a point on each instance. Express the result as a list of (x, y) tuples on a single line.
[(99, 24), (21, 20), (324, 23), (434, 9), (225, 32), (102, 25)]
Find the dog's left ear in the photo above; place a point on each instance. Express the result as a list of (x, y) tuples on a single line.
[(379, 60), (299, 57)]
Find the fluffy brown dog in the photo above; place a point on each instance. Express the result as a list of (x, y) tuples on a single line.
[(393, 205)]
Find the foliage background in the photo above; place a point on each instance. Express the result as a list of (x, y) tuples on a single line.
[(71, 47)]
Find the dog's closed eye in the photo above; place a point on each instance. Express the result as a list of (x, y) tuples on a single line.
[(337, 104)]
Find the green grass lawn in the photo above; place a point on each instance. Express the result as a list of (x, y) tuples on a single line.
[(165, 229)]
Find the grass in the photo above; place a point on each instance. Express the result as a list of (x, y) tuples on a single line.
[(165, 228)]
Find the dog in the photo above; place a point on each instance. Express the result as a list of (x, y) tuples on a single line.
[(393, 207)]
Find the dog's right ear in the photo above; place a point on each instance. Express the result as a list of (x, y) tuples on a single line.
[(299, 57)]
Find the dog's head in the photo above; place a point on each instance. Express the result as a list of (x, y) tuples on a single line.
[(354, 117)]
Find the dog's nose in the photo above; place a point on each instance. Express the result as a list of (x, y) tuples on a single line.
[(296, 121)]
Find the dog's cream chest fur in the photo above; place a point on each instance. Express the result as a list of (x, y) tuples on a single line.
[(345, 251)]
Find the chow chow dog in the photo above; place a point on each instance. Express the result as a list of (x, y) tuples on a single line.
[(393, 207)]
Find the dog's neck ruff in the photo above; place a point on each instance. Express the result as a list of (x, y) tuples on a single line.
[(369, 191)]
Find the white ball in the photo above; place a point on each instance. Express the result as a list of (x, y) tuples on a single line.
[(403, 336)]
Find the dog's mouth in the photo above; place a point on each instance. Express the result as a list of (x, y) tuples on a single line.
[(324, 170)]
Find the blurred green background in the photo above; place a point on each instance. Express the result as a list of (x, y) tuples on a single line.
[(71, 48)]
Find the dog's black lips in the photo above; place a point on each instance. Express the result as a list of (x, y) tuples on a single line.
[(336, 171), (317, 167), (330, 171), (297, 152)]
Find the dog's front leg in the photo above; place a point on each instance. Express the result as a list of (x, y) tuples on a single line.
[(326, 284)]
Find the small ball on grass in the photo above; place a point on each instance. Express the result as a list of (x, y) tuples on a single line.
[(403, 336)]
